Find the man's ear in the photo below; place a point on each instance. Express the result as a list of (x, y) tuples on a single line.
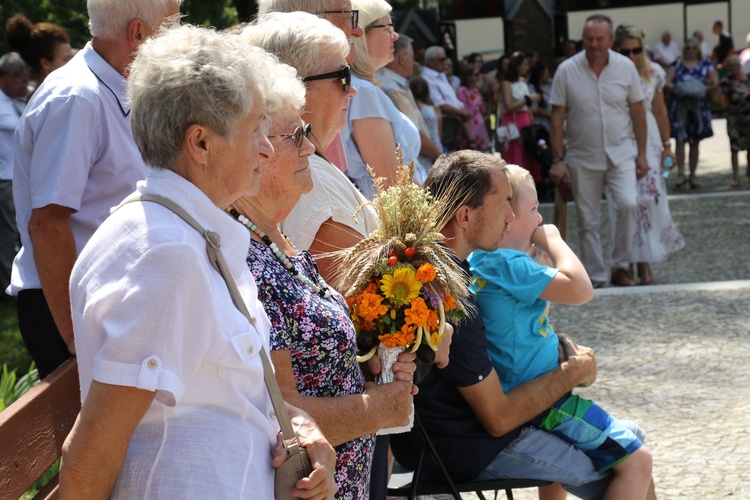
[(136, 33), (463, 216)]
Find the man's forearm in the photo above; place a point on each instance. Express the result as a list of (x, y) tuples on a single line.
[(447, 109), (557, 119), (54, 257), (638, 115)]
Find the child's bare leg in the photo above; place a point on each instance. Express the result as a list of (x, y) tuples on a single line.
[(552, 491), (632, 477)]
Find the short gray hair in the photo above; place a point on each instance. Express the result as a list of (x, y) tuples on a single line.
[(12, 64), (311, 6), (109, 18), (600, 18), (190, 75), (432, 52), (299, 39), (401, 44)]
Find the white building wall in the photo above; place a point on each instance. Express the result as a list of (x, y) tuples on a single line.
[(654, 20), (486, 36)]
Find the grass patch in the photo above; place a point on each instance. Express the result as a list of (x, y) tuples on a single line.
[(13, 352)]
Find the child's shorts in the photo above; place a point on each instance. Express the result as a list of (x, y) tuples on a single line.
[(589, 428)]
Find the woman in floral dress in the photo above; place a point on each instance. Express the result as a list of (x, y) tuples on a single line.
[(689, 114), (735, 97), (313, 341), (474, 134), (657, 235)]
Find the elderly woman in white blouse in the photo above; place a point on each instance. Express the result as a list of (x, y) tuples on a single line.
[(174, 404)]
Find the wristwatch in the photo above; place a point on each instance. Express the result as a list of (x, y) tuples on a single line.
[(558, 158)]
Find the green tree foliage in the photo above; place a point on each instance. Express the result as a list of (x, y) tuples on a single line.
[(71, 14)]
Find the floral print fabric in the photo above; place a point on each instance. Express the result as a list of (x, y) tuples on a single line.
[(697, 126), (472, 99), (322, 342), (657, 234)]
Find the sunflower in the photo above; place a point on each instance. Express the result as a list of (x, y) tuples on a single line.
[(402, 286)]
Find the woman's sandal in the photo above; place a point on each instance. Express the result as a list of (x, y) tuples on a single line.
[(644, 273), (680, 181), (736, 182), (693, 183)]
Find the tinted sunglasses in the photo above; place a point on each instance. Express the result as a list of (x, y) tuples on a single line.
[(635, 51), (299, 134), (344, 74), (353, 12), (388, 27)]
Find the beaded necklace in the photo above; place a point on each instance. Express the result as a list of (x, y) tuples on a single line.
[(320, 288)]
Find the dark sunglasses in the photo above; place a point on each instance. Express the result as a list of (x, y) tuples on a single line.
[(353, 12), (300, 133), (635, 51), (344, 74)]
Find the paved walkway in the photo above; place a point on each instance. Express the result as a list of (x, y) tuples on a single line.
[(675, 357)]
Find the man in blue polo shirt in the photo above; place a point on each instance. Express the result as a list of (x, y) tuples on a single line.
[(480, 431), (74, 159)]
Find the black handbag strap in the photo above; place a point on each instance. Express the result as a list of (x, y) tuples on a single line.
[(213, 248)]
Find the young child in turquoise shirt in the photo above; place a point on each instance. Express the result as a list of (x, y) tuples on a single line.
[(513, 292)]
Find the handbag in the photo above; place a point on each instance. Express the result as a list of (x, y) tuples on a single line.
[(297, 464), (508, 132)]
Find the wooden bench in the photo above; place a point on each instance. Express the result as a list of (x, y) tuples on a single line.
[(33, 429)]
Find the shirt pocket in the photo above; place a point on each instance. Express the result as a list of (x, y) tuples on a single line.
[(240, 364)]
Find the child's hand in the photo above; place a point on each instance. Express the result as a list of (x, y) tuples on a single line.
[(540, 257), (543, 236)]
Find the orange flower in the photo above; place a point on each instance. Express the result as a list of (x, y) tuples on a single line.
[(401, 338), (418, 314), (449, 303), (372, 288), (371, 306), (426, 273), (432, 321)]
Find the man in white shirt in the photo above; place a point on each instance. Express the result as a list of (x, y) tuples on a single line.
[(14, 79), (705, 48), (598, 92), (666, 51), (74, 159), (444, 96), (394, 82)]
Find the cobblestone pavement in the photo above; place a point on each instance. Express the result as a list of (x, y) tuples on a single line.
[(675, 357)]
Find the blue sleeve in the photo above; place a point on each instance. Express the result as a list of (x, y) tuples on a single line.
[(513, 272)]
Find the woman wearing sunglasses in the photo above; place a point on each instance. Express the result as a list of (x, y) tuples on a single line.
[(374, 125), (657, 235), (313, 341), (691, 80)]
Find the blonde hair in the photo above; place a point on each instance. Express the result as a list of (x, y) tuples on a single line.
[(518, 176), (369, 12), (642, 62)]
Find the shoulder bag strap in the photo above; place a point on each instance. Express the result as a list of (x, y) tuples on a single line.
[(213, 247)]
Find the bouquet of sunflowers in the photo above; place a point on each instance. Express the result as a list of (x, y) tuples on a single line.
[(401, 284)]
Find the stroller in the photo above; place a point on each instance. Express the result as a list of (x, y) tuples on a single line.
[(536, 141)]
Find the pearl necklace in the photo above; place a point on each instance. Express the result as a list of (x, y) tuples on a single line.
[(320, 288)]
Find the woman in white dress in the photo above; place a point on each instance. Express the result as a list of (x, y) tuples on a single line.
[(657, 235)]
